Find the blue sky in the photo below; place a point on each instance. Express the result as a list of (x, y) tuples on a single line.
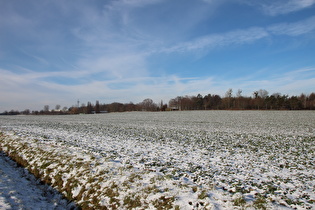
[(56, 52)]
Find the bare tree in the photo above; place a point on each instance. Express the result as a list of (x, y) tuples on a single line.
[(239, 97), (64, 109), (228, 93), (228, 96), (97, 107), (239, 93), (148, 105), (57, 107), (46, 108), (89, 108), (262, 93), (26, 112)]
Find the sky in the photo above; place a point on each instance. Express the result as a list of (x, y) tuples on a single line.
[(57, 52)]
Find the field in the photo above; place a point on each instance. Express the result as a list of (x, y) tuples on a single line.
[(178, 160)]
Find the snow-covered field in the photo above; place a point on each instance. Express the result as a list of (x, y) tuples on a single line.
[(20, 190), (179, 160)]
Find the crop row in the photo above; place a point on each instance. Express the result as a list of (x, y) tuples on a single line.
[(179, 160)]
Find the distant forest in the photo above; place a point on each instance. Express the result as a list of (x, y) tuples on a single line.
[(260, 100)]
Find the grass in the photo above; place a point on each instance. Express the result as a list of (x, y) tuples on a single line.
[(203, 194), (260, 202), (121, 168), (91, 197), (132, 201), (164, 203), (239, 201)]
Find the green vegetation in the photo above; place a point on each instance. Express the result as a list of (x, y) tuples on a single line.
[(195, 160)]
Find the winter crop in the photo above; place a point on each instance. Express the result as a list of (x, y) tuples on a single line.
[(196, 159)]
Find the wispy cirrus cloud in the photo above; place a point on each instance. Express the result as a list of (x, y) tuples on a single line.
[(117, 5), (127, 50), (293, 29), (236, 37), (23, 89), (116, 66), (244, 36), (280, 7)]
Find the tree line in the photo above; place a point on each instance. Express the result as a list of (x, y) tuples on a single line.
[(89, 108), (260, 100)]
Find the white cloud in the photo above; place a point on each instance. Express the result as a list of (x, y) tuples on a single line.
[(237, 37), (280, 7), (307, 69), (111, 49), (119, 12), (293, 29), (133, 3), (30, 91), (244, 36), (116, 66), (13, 20), (292, 82)]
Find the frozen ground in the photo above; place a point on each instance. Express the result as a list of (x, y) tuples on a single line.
[(20, 190), (198, 159)]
